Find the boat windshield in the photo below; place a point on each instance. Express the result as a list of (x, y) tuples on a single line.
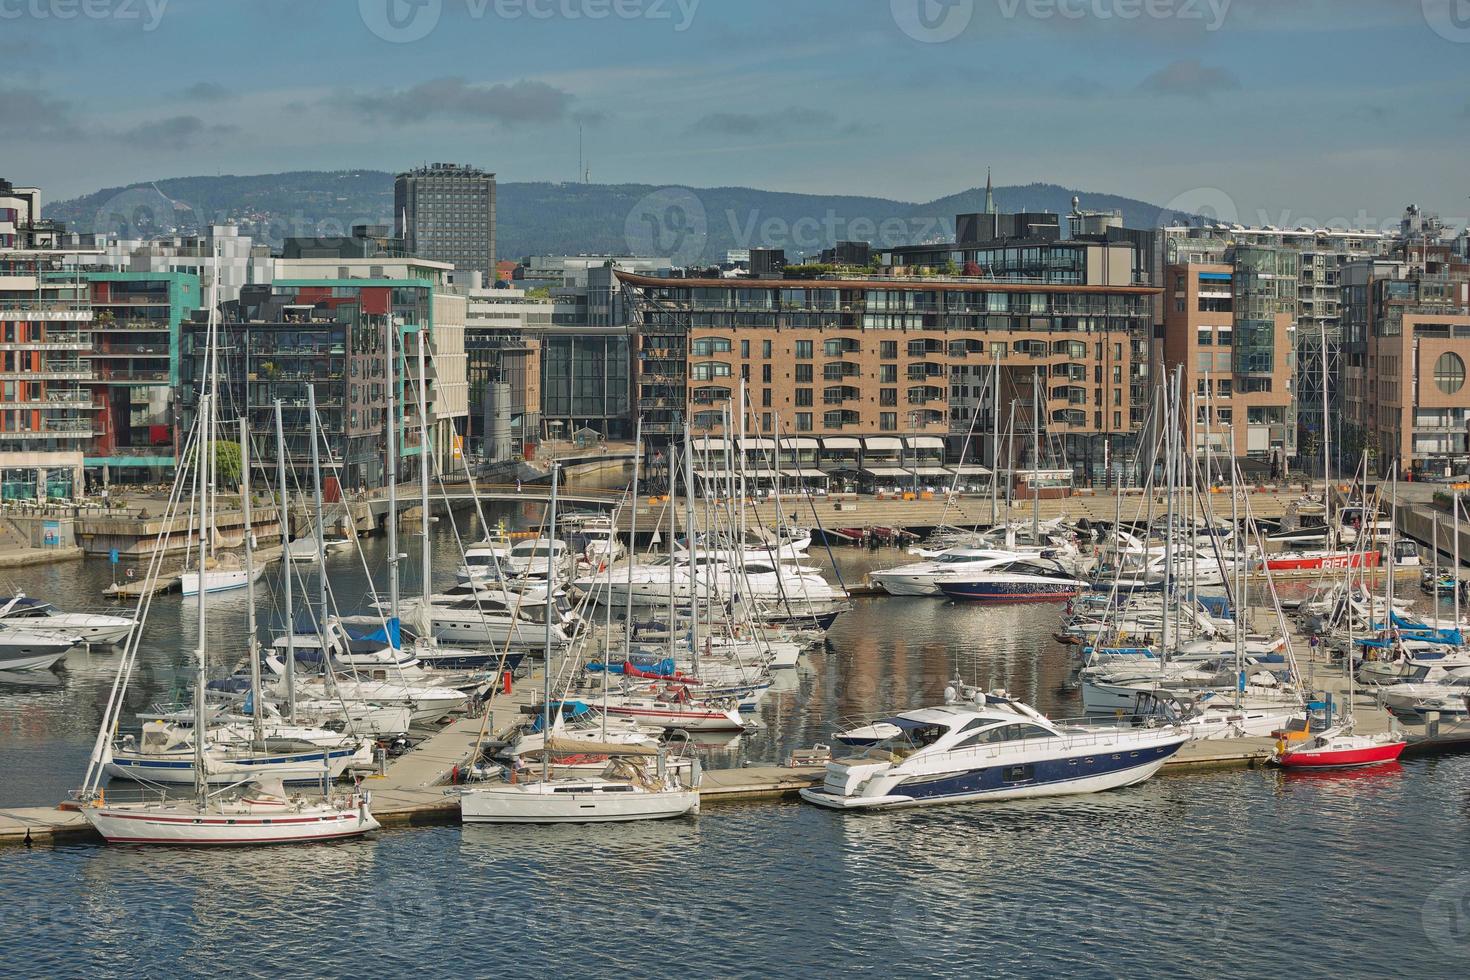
[(958, 559), (912, 738)]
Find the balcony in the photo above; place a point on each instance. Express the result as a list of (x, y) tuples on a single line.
[(925, 369), (54, 371), (55, 429), (924, 394), (114, 326), (837, 394), (67, 342), (837, 370)]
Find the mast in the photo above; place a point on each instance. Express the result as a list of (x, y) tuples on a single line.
[(286, 562), (256, 708), (392, 462), (1237, 614), (424, 463), (1036, 455), (689, 537), (321, 528), (1170, 407), (550, 611), (673, 564), (201, 780), (1457, 558), (1326, 444), (632, 541), (994, 440)]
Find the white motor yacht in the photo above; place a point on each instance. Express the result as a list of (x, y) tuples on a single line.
[(93, 628), (996, 750)]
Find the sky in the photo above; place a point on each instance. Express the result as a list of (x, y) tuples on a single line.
[(1282, 111)]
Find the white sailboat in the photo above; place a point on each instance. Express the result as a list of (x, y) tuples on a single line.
[(262, 815), (625, 791)]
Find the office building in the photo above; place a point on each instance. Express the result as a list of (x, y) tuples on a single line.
[(240, 261), (504, 331), (445, 212)]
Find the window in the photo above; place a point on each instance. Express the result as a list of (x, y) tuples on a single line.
[(888, 348), (803, 374), (888, 373), (1449, 372), (887, 396), (1206, 336), (765, 374), (745, 348), (803, 348), (766, 398), (803, 396), (766, 349), (1223, 336), (1225, 416), (832, 348), (888, 421), (1222, 387), (804, 419), (705, 346)]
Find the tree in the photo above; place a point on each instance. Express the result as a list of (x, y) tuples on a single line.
[(228, 463)]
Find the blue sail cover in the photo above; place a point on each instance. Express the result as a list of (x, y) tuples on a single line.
[(392, 634)]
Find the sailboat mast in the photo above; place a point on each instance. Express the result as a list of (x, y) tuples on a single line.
[(392, 463), (994, 440), (321, 528), (689, 539), (550, 611), (632, 541), (1327, 442), (1036, 456), (424, 463), (1457, 559), (632, 544), (256, 708), (201, 780), (286, 563)]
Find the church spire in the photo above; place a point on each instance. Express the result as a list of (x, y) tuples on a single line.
[(989, 194)]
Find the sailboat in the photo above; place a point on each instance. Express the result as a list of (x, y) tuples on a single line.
[(264, 813), (626, 790)]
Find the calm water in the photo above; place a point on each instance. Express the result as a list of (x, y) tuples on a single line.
[(1232, 873)]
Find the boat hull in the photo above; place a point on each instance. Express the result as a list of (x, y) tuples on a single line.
[(186, 825), (999, 591), (507, 805), (177, 768), (1341, 758), (1064, 776), (1318, 562)]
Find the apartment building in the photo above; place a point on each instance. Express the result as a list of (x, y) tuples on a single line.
[(1229, 329), (1322, 254), (878, 356), (46, 320), (1406, 346)]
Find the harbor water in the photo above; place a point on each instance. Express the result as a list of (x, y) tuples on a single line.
[(1226, 872)]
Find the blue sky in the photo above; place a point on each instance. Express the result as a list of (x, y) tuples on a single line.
[(1289, 110)]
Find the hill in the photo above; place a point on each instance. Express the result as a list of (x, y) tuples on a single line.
[(550, 218)]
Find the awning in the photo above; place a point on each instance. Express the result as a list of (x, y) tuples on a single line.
[(970, 469), (757, 444), (800, 442), (713, 444), (892, 443), (804, 474), (926, 442), (887, 472), (712, 474), (841, 442), (933, 471)]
